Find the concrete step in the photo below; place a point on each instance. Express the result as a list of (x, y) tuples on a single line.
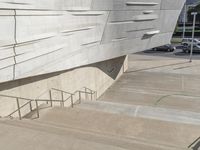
[(170, 134), (155, 98), (160, 81), (93, 139), (166, 90), (97, 129), (158, 113), (35, 136)]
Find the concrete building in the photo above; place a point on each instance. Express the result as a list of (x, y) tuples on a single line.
[(70, 44)]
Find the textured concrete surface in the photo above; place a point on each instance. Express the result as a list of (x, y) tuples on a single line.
[(45, 36), (111, 123), (154, 80), (140, 111), (97, 77), (89, 129)]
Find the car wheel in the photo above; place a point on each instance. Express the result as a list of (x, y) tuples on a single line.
[(187, 51), (154, 49)]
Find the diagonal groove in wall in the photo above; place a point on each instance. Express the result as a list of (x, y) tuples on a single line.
[(15, 39), (105, 25)]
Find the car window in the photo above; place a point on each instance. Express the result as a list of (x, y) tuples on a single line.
[(184, 40)]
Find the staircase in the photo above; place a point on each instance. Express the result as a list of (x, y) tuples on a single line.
[(80, 128), (114, 123), (31, 107)]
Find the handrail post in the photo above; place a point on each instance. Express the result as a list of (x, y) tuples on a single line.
[(37, 108), (95, 95), (72, 101), (79, 96), (50, 97), (31, 109), (91, 94), (18, 107), (62, 96), (86, 95)]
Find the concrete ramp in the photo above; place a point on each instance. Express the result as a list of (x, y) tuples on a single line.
[(158, 113)]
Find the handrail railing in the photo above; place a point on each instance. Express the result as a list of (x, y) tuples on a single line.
[(50, 100), (8, 96), (20, 107), (18, 104)]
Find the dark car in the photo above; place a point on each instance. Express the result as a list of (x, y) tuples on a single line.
[(168, 48)]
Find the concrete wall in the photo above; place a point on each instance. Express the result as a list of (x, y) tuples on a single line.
[(98, 77), (45, 36)]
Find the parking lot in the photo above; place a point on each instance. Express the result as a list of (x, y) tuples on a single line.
[(178, 53)]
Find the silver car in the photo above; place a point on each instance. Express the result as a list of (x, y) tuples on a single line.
[(188, 41), (196, 48)]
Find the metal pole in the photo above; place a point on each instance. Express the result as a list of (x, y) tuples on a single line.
[(72, 101), (37, 108), (86, 95), (193, 30), (18, 108), (91, 95), (62, 96), (95, 95), (184, 19), (31, 109), (79, 96), (50, 97)]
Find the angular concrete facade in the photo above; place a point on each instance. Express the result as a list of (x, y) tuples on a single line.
[(45, 36), (99, 77)]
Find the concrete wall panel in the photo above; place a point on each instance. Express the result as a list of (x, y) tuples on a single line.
[(7, 27), (46, 4), (172, 4), (44, 36), (6, 74), (125, 4)]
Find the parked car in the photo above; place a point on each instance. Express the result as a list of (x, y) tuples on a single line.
[(196, 48), (188, 41), (168, 48)]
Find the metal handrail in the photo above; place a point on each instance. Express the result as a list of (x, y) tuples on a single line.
[(37, 99), (62, 91), (18, 105), (18, 109), (62, 101), (1, 95)]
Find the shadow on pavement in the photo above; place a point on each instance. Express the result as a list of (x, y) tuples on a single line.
[(176, 54), (150, 51), (174, 64), (185, 54)]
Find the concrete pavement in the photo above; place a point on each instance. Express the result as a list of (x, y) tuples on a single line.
[(151, 107), (89, 129)]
